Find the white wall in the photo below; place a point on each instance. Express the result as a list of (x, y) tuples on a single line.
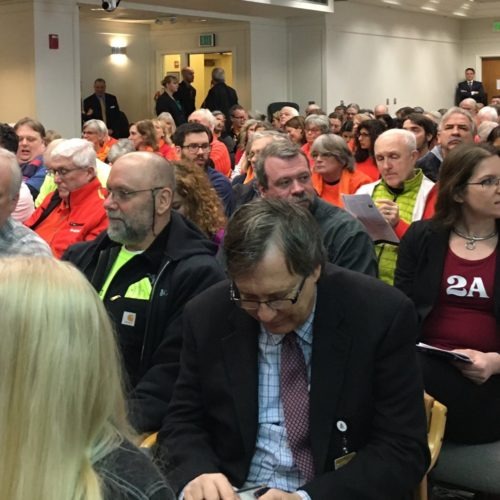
[(478, 40), (57, 71), (268, 56), (307, 61), (376, 53), (130, 81)]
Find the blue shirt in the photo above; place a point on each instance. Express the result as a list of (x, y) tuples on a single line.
[(272, 463)]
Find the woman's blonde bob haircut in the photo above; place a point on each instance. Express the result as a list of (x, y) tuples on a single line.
[(62, 407)]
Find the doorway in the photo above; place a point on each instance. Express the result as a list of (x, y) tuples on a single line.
[(203, 64), (491, 76)]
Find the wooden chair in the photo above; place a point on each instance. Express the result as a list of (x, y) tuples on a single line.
[(436, 422)]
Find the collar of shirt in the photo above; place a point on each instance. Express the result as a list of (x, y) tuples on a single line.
[(304, 331)]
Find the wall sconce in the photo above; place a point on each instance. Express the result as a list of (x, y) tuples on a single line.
[(118, 50)]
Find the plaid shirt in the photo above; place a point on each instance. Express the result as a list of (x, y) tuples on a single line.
[(272, 463), (16, 239)]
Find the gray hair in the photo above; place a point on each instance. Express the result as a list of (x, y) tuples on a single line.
[(276, 134), (10, 162), (207, 115), (165, 116), (335, 146), (488, 113), (408, 137), (120, 148), (320, 121), (455, 110), (80, 151), (281, 148), (97, 126), (218, 75), (485, 128), (258, 225)]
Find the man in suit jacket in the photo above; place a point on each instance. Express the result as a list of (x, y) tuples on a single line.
[(221, 96), (102, 106), (361, 432), (186, 93), (470, 88)]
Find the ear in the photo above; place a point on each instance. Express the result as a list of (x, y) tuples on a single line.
[(458, 198), (414, 155), (13, 203), (179, 151), (164, 200), (262, 191)]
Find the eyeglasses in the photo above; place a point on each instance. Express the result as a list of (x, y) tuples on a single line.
[(275, 304), (486, 183), (62, 172), (324, 155), (193, 148), (313, 130), (120, 195), (363, 134)]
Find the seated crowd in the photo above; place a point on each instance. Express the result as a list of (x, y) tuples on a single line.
[(229, 299)]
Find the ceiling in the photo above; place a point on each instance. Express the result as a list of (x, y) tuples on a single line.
[(473, 9), (151, 11)]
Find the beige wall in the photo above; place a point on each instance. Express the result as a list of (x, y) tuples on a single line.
[(129, 80), (17, 82)]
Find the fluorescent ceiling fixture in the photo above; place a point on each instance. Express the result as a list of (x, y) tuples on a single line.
[(427, 7), (392, 2), (461, 14)]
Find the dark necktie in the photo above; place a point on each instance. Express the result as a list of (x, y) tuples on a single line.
[(470, 84), (295, 399)]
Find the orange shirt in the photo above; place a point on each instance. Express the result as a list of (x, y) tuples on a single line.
[(102, 154), (369, 167), (220, 156), (349, 183)]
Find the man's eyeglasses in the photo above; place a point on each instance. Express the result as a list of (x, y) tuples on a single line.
[(274, 304), (120, 195), (62, 172), (193, 148), (486, 183)]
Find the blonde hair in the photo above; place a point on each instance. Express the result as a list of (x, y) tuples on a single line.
[(62, 407)]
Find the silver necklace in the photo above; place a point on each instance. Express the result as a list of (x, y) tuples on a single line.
[(470, 241)]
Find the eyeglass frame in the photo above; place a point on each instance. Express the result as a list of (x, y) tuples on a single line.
[(203, 147), (125, 195), (63, 171), (233, 290), (495, 181)]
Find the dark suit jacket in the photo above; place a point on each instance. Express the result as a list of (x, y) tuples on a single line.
[(420, 265), (364, 373), (112, 110), (221, 97), (463, 91), (186, 95), (165, 103)]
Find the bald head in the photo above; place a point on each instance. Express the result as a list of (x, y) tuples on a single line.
[(141, 186)]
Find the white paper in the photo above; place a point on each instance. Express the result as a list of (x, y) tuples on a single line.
[(498, 84), (363, 208)]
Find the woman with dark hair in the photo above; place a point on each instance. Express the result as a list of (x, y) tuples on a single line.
[(450, 267), (143, 136), (494, 138), (364, 139), (166, 101), (295, 127), (333, 169)]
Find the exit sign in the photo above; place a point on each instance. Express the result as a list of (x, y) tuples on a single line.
[(207, 40), (496, 26)]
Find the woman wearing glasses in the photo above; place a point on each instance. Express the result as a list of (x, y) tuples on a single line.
[(64, 433), (333, 169), (449, 266), (364, 142)]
